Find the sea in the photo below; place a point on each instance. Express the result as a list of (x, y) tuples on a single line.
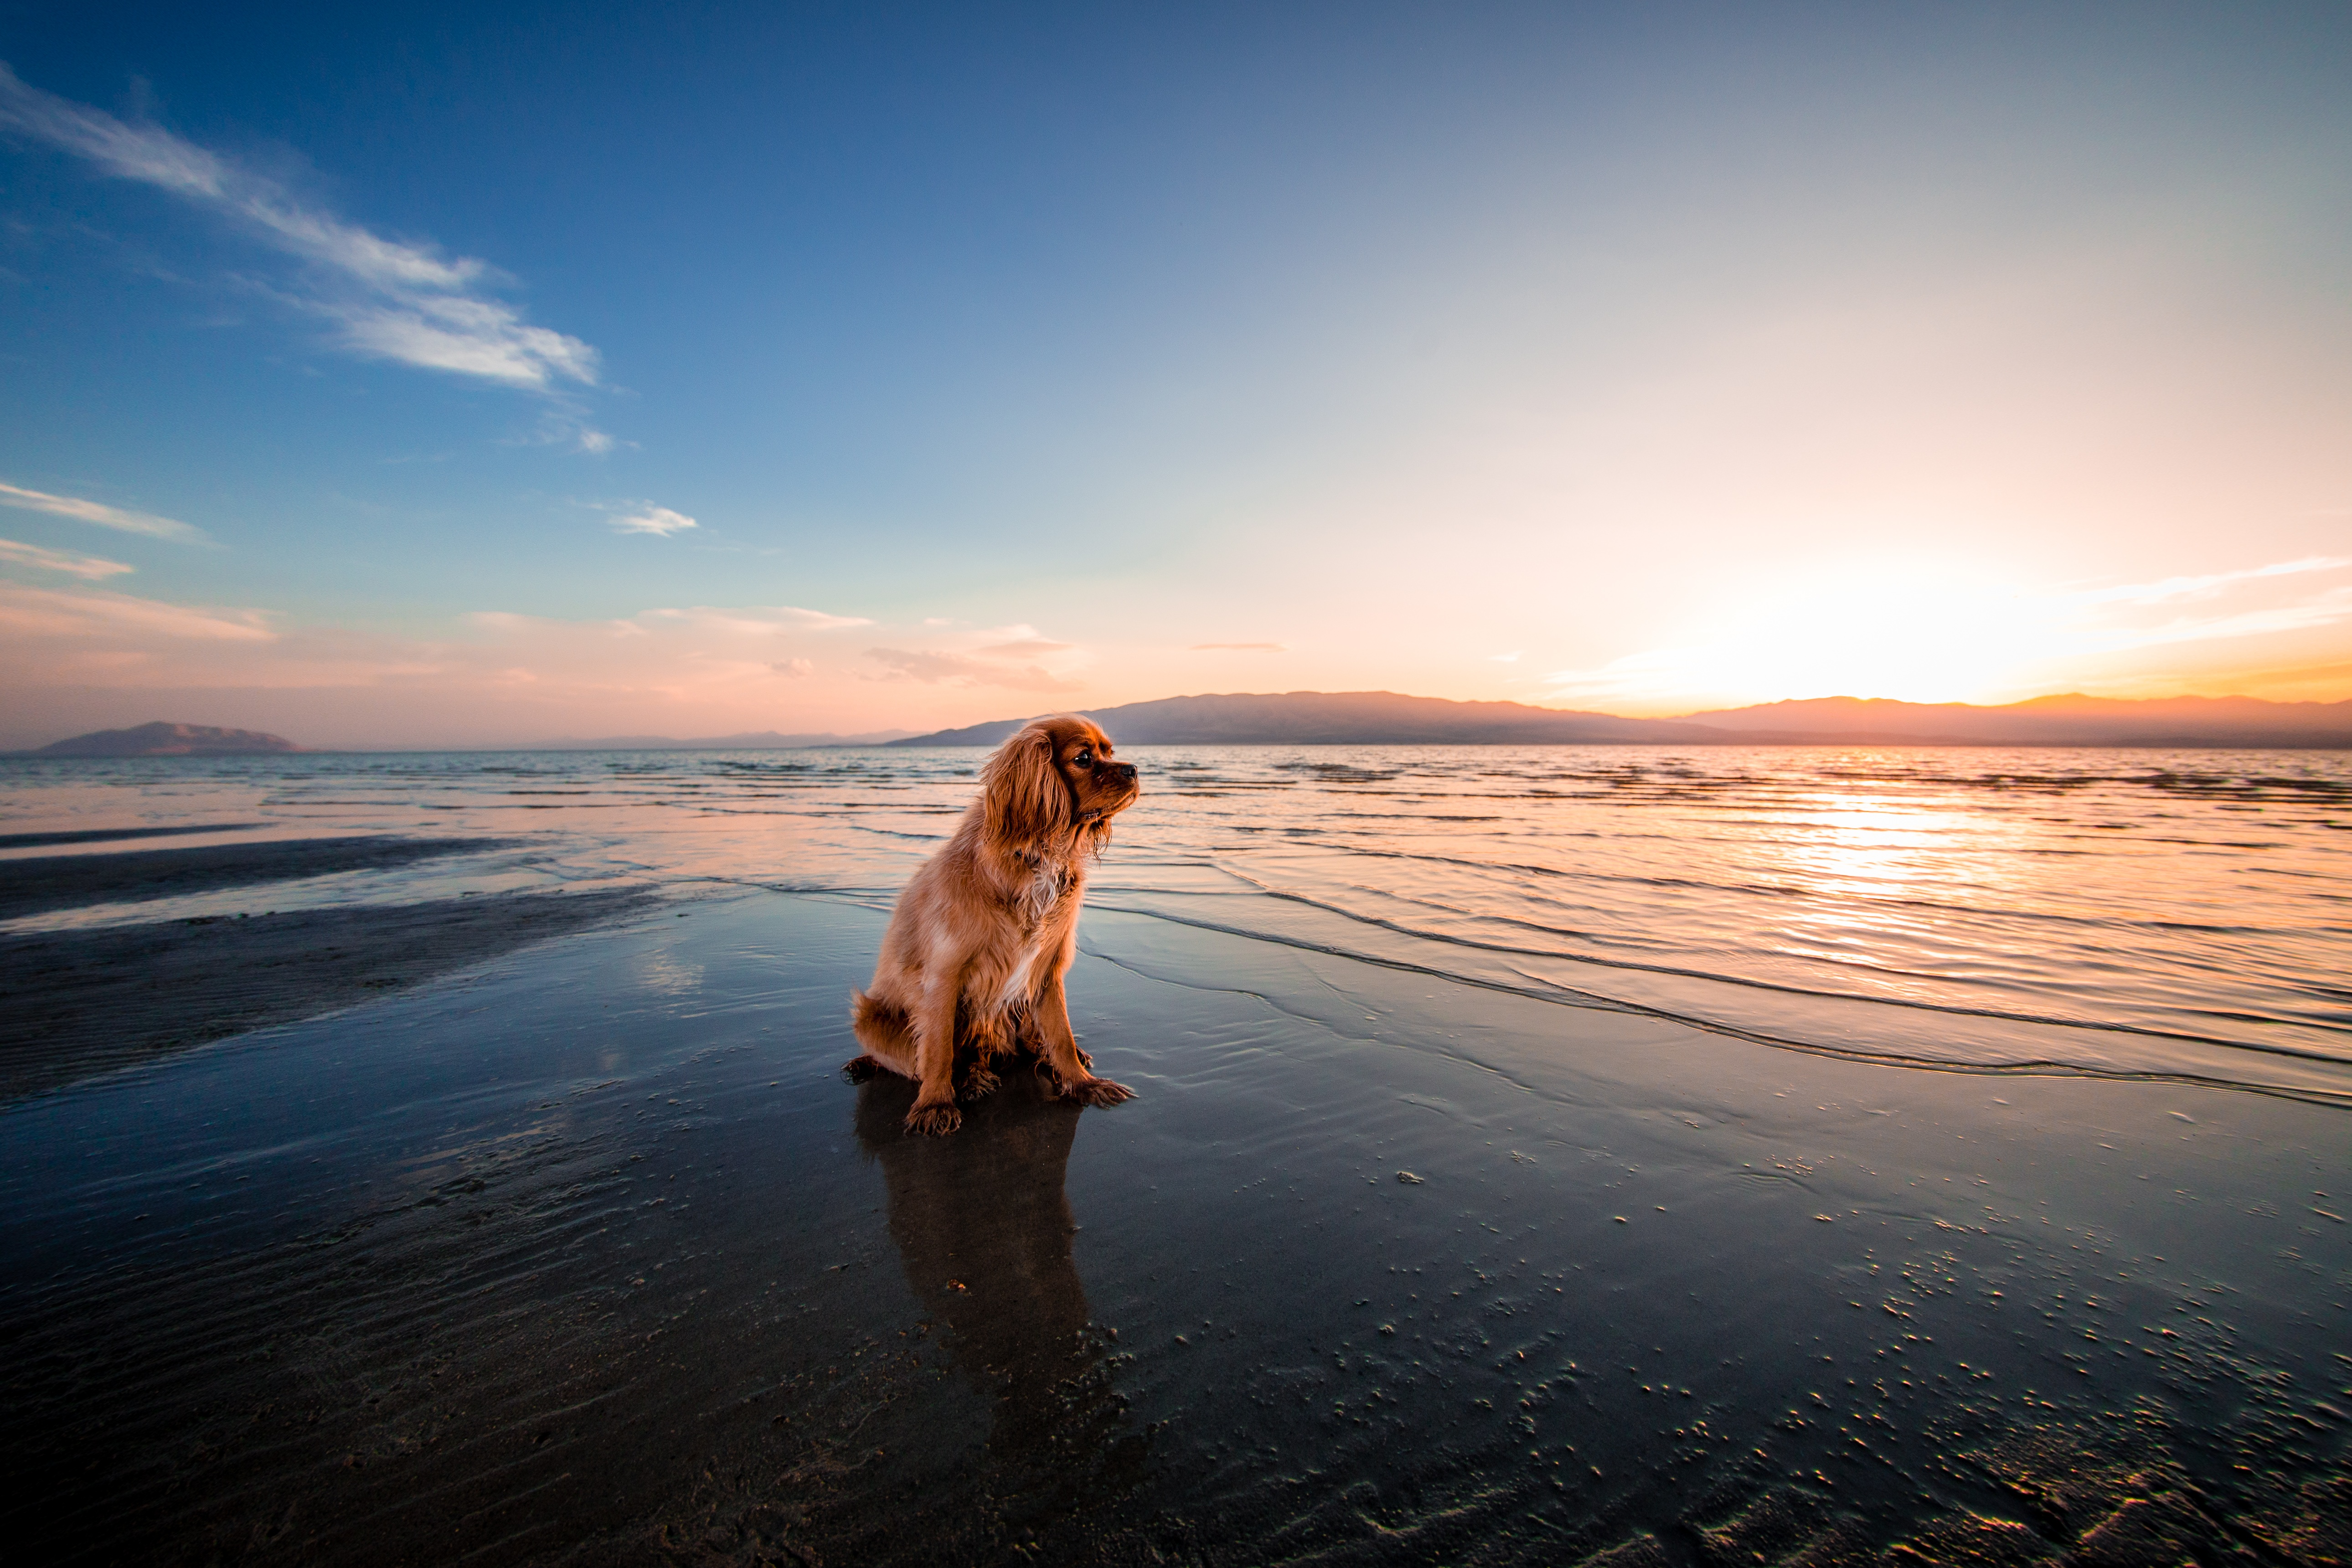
[(1552, 1154), (2181, 915)]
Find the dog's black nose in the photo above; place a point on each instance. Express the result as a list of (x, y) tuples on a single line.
[(1126, 770)]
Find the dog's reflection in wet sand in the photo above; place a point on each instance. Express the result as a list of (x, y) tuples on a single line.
[(983, 1230)]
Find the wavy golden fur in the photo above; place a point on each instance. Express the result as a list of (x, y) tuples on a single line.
[(977, 948)]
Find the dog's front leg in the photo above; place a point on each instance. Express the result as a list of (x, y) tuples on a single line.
[(1062, 1053), (935, 1109)]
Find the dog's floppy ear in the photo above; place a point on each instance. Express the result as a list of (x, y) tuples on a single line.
[(1021, 791)]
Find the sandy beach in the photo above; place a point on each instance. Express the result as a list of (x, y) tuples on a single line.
[(589, 1255)]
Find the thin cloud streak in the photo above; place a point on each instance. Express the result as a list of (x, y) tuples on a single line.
[(44, 611), (964, 669), (104, 516), (1025, 647), (748, 620), (1239, 646), (387, 298), (2325, 610), (91, 568), (655, 519), (2172, 588)]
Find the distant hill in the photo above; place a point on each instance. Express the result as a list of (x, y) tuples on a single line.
[(1357, 718), (160, 740), (2071, 719), (1386, 717), (754, 741)]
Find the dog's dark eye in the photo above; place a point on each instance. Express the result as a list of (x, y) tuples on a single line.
[(1086, 757)]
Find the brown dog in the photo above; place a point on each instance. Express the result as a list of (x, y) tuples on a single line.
[(986, 930)]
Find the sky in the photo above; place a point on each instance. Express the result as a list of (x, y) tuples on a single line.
[(456, 376)]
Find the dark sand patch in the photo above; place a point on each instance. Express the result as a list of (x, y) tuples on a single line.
[(596, 1259), (77, 1003), (69, 881), (112, 835)]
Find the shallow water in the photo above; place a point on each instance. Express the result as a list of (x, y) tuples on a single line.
[(2183, 914), (1410, 1250)]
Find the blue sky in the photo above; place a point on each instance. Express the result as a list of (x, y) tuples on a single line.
[(1019, 357)]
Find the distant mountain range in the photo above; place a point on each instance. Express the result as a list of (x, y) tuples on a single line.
[(1387, 718), (160, 740)]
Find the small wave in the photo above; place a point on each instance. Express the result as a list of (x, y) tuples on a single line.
[(1540, 989), (1761, 889), (1952, 1009)]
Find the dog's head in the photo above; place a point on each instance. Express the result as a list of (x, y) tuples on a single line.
[(1055, 780)]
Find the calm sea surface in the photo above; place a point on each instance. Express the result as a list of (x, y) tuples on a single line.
[(2184, 914)]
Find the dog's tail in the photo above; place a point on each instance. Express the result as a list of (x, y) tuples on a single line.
[(880, 1026)]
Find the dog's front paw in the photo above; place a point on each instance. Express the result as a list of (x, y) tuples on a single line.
[(979, 1085), (857, 1070), (1091, 1091), (933, 1120)]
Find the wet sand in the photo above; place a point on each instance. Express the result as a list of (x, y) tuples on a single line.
[(51, 882), (76, 1003), (595, 1259), (117, 835)]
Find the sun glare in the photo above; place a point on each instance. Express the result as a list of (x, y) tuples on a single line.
[(1921, 631), (1915, 634)]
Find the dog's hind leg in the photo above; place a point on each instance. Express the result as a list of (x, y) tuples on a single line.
[(888, 1035)]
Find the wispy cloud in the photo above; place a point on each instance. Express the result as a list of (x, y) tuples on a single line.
[(2171, 589), (14, 552), (1025, 647), (1239, 646), (43, 612), (942, 668), (1017, 658), (105, 516), (756, 619), (819, 621), (386, 298), (656, 520), (2321, 610)]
